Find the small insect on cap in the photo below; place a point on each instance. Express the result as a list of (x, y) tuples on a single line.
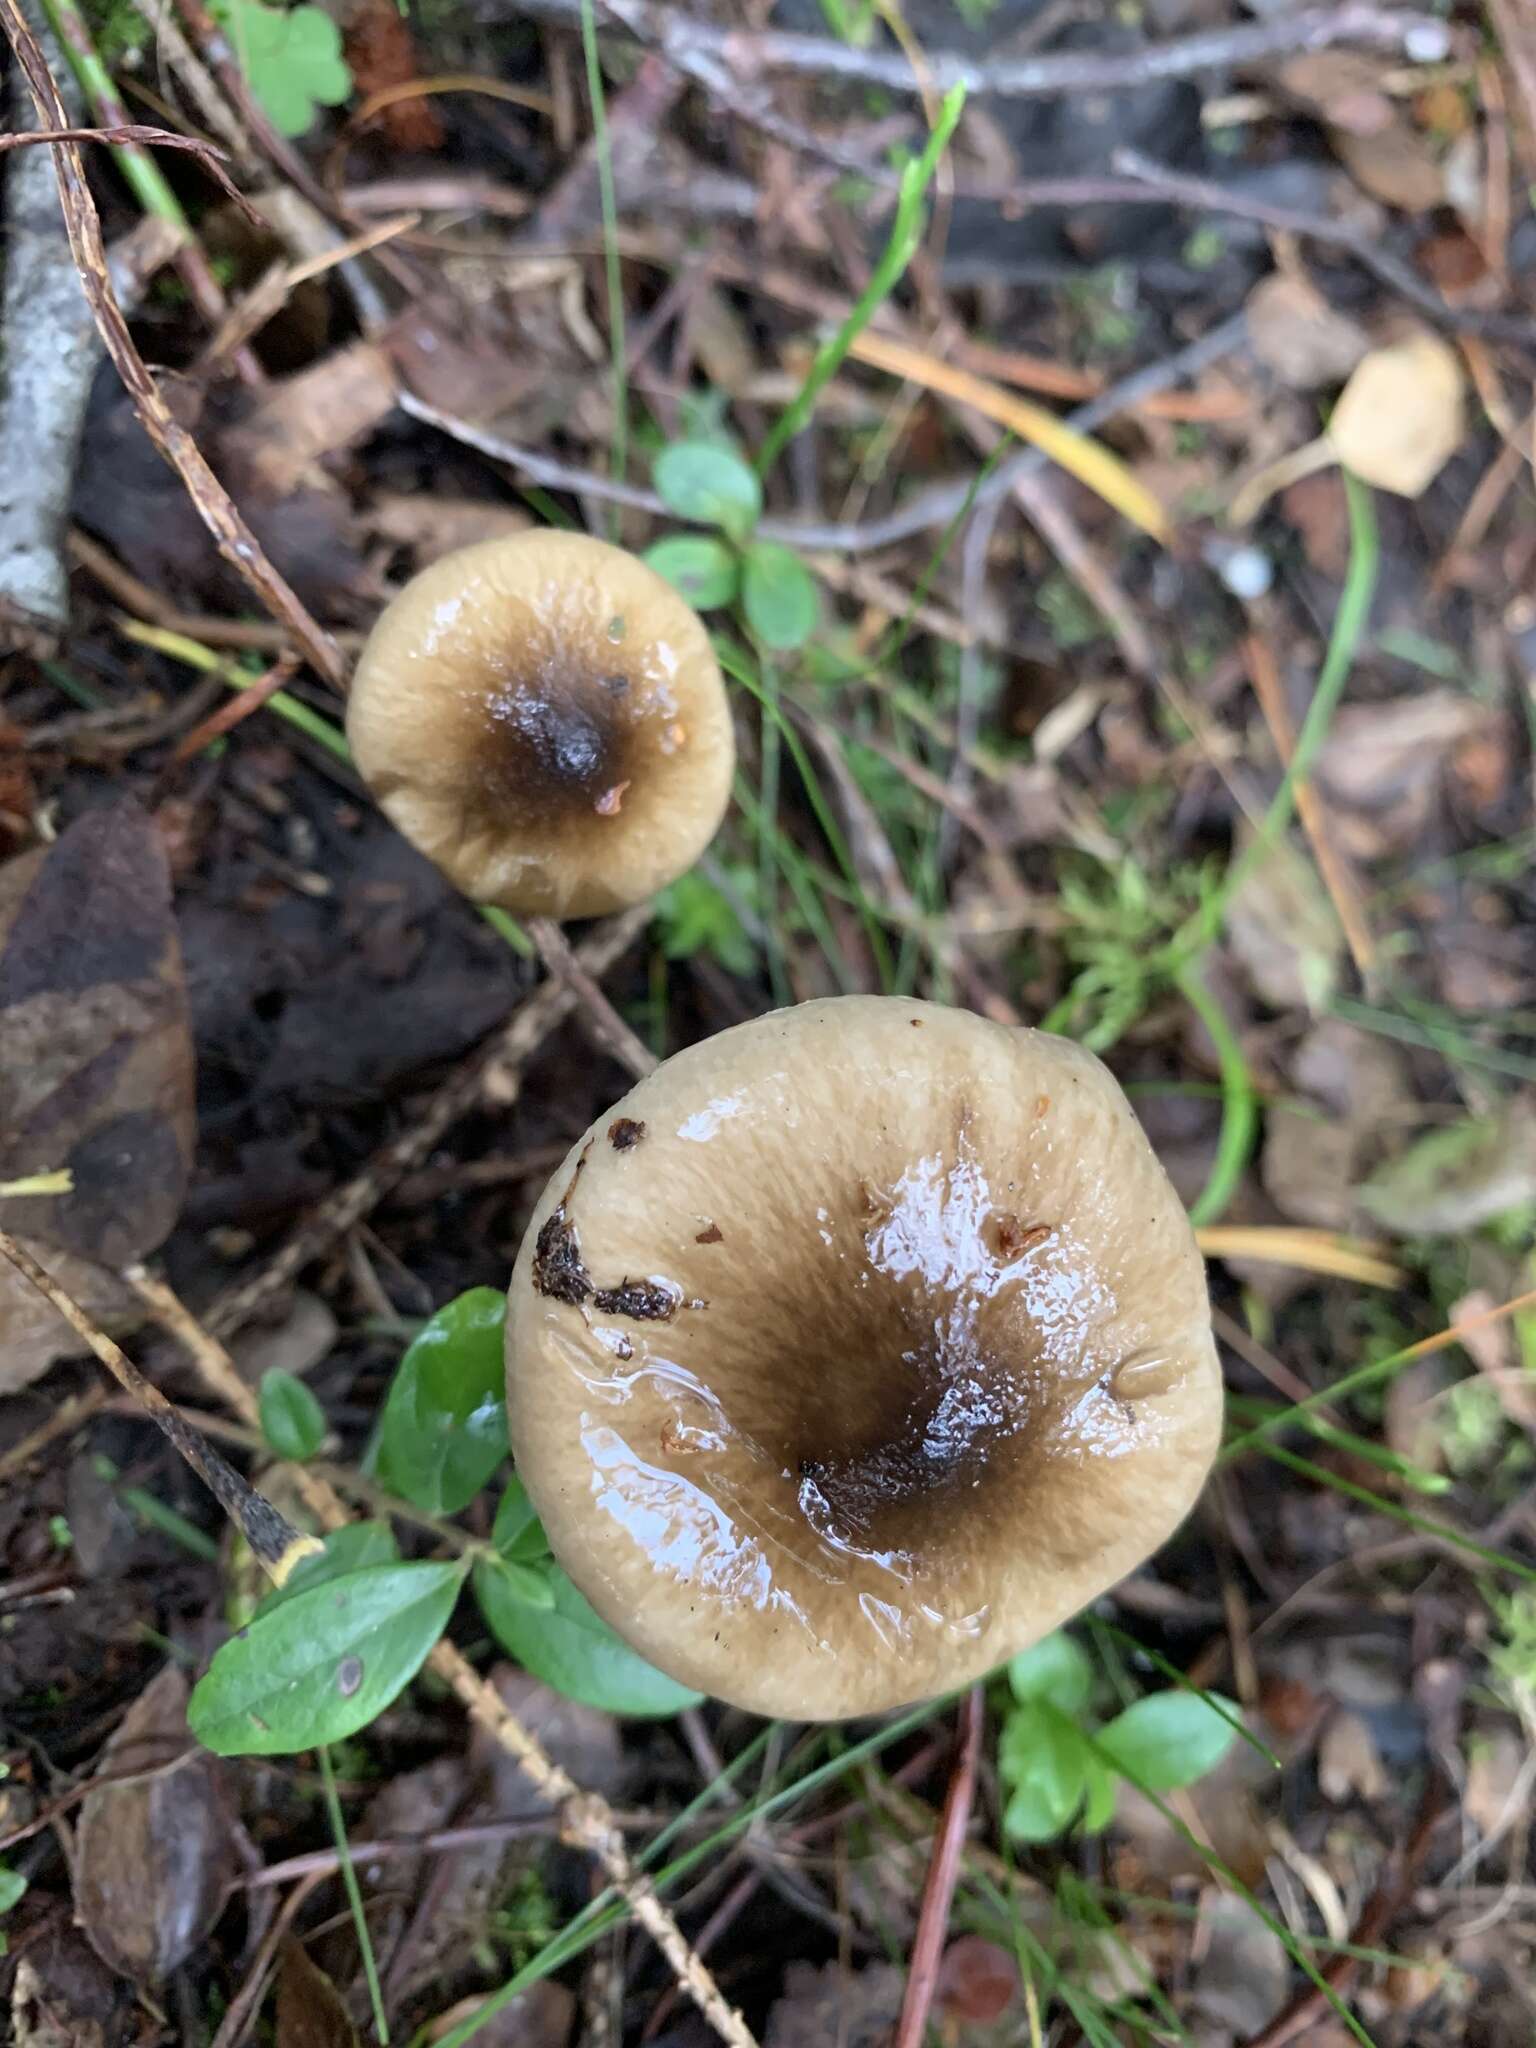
[(856, 1349), (544, 718)]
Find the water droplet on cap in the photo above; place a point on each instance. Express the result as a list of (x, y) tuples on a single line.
[(1144, 1374)]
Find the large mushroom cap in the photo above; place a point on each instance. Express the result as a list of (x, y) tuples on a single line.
[(854, 1350), (544, 718)]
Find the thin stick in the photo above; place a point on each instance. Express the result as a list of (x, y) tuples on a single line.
[(237, 709), (1337, 879), (601, 1018), (274, 1541), (143, 174), (943, 1871), (234, 538), (67, 1416), (723, 55)]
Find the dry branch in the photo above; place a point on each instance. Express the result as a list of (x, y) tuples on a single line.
[(235, 540), (726, 60), (50, 355)]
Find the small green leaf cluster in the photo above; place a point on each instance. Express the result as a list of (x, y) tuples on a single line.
[(291, 56), (707, 482), (12, 1886), (1126, 938), (1060, 1765), (327, 1651)]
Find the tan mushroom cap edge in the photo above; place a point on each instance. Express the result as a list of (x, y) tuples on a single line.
[(856, 1349), (543, 717)]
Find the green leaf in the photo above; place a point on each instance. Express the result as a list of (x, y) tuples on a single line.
[(1044, 1759), (703, 481), (325, 1663), (529, 1585), (350, 1549), (704, 571), (1170, 1738), (575, 1651), (1102, 1787), (517, 1533), (1057, 1670), (12, 1885), (1454, 1180), (445, 1421), (779, 595), (292, 1420), (694, 915), (292, 58)]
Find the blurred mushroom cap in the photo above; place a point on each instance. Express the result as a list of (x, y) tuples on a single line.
[(856, 1349), (544, 718)]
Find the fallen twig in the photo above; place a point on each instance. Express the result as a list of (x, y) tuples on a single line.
[(50, 356), (1179, 189), (273, 1541), (1306, 2009), (235, 540), (1337, 876), (943, 1870), (710, 52), (942, 504), (142, 173)]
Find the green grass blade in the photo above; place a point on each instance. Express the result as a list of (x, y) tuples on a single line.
[(1239, 1104), (610, 210), (906, 234), (354, 1895)]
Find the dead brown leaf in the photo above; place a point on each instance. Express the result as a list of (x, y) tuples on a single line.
[(836, 2008), (1318, 509), (1492, 1348), (540, 2017), (1243, 1971), (329, 407), (64, 1997), (1396, 164), (1298, 336), (1349, 1764), (435, 526), (1348, 1083), (1496, 1762), (1341, 87), (95, 1066), (1386, 763), (310, 2010), (1284, 931), (153, 1853)]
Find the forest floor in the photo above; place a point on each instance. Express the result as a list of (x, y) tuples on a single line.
[(1201, 740)]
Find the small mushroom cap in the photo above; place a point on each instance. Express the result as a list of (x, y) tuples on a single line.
[(856, 1349), (543, 717)]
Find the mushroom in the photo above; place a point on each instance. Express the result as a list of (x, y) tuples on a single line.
[(856, 1349), (543, 717)]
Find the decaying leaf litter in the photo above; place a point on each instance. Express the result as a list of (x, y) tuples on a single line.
[(1216, 759)]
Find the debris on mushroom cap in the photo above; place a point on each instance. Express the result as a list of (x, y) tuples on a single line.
[(880, 1350), (544, 718)]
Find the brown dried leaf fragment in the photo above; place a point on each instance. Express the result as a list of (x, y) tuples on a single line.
[(96, 1069), (154, 1852)]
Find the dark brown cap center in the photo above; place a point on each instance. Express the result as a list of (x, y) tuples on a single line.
[(561, 743)]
